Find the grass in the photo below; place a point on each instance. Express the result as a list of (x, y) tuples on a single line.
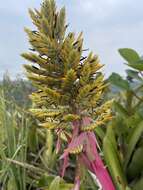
[(13, 145)]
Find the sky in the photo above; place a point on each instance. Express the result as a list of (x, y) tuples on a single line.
[(107, 26)]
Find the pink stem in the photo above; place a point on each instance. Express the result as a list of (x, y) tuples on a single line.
[(98, 167), (58, 145), (85, 161), (65, 165), (77, 184), (94, 158), (65, 156)]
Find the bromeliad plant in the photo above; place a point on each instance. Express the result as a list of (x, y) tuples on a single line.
[(70, 90), (124, 137)]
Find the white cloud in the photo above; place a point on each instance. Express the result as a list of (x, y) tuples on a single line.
[(18, 6), (107, 25), (86, 6)]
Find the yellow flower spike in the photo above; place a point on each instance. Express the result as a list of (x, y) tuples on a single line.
[(49, 125), (90, 127), (77, 150), (106, 107), (63, 136), (71, 117), (66, 81), (42, 113), (99, 121)]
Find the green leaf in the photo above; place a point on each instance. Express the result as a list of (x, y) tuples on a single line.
[(100, 132), (118, 81), (129, 55), (128, 188), (55, 184), (66, 186), (119, 125), (48, 182), (133, 120), (45, 180), (136, 165), (137, 65), (133, 74), (112, 159), (138, 185), (121, 110), (12, 184), (32, 138), (134, 137)]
